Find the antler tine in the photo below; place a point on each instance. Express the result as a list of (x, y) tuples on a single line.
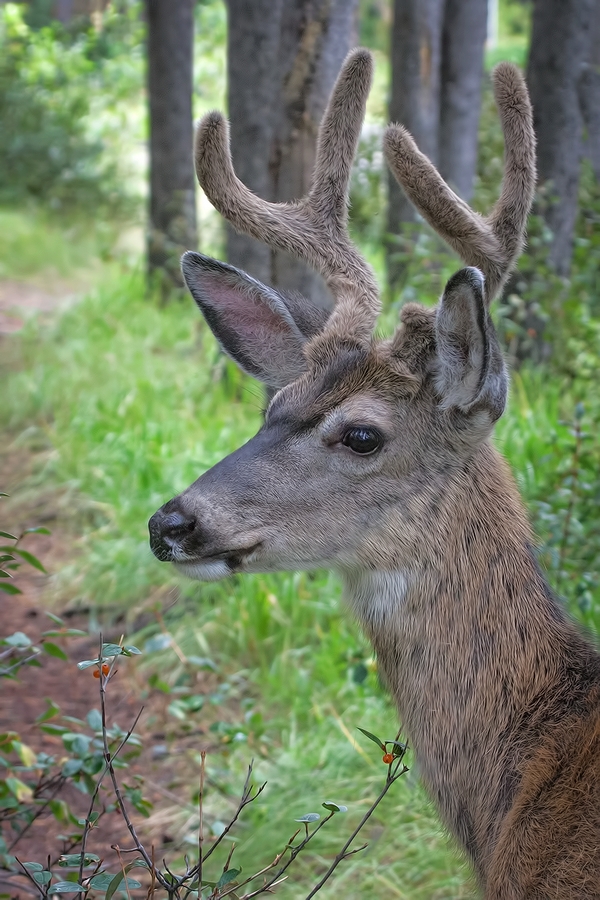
[(491, 243), (314, 228)]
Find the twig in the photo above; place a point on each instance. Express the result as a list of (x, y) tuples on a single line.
[(201, 822), (391, 778), (43, 891), (60, 782), (246, 798), (124, 871), (109, 764)]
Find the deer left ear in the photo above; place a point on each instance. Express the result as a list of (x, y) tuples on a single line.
[(470, 374)]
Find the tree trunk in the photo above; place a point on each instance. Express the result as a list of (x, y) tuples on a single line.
[(437, 65), (463, 42), (315, 38), (172, 227), (589, 94), (283, 58), (559, 48), (253, 36), (415, 89)]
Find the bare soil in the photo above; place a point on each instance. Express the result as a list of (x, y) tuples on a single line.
[(76, 692)]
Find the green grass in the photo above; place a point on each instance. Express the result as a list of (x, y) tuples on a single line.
[(124, 403)]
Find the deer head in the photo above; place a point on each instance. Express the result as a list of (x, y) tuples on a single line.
[(361, 432)]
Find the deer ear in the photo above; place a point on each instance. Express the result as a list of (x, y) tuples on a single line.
[(250, 321), (470, 374)]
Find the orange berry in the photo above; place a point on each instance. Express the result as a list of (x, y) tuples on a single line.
[(105, 670), (388, 758)]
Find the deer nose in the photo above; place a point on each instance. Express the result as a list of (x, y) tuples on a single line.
[(167, 530)]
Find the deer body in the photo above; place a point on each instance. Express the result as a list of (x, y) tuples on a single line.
[(374, 459)]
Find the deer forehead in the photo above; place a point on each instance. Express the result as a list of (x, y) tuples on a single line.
[(356, 384)]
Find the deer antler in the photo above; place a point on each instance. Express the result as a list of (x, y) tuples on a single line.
[(494, 242), (314, 228)]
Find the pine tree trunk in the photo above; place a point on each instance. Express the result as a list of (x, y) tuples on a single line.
[(463, 43), (415, 90), (172, 226), (253, 38), (559, 48), (315, 38), (589, 94)]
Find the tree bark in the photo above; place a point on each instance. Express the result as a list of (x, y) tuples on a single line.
[(283, 58), (172, 226), (437, 65), (589, 94), (315, 38), (463, 42), (415, 89), (253, 37), (559, 48)]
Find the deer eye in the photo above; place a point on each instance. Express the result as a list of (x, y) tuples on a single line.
[(362, 440)]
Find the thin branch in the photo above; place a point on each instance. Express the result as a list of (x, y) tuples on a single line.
[(201, 821), (109, 764), (391, 778)]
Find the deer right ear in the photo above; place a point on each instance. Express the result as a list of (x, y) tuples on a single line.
[(250, 321), (470, 374)]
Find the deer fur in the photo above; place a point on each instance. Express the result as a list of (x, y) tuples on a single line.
[(497, 691)]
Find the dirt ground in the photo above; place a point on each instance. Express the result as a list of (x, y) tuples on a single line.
[(76, 692)]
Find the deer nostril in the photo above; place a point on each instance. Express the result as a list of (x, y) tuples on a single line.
[(177, 524)]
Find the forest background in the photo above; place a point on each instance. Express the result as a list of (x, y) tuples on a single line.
[(115, 397)]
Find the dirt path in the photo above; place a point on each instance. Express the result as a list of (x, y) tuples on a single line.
[(76, 693), (20, 300)]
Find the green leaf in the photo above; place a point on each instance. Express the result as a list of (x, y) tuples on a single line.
[(66, 887), (111, 650), (10, 588), (373, 737), (51, 710), (30, 558), (56, 619), (54, 729), (5, 534), (54, 650), (227, 877), (18, 639), (71, 767), (86, 663), (60, 810), (42, 877), (25, 754), (39, 529), (129, 882), (334, 807), (129, 649), (94, 720), (398, 748), (101, 882), (308, 818), (19, 789), (73, 860), (33, 866)]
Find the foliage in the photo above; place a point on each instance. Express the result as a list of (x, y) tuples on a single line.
[(57, 112)]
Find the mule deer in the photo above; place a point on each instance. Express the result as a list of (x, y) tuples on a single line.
[(374, 459)]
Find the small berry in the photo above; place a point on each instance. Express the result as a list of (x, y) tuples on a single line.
[(388, 758), (105, 670)]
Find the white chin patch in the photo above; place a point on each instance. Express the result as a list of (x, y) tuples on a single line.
[(213, 570)]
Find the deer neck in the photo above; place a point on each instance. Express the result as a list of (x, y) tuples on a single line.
[(466, 639)]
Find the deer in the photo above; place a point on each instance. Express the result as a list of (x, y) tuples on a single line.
[(375, 459)]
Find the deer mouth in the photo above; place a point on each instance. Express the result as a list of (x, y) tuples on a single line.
[(216, 565)]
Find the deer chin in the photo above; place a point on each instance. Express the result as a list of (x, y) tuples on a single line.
[(218, 566)]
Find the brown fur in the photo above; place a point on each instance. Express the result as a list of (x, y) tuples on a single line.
[(497, 691)]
